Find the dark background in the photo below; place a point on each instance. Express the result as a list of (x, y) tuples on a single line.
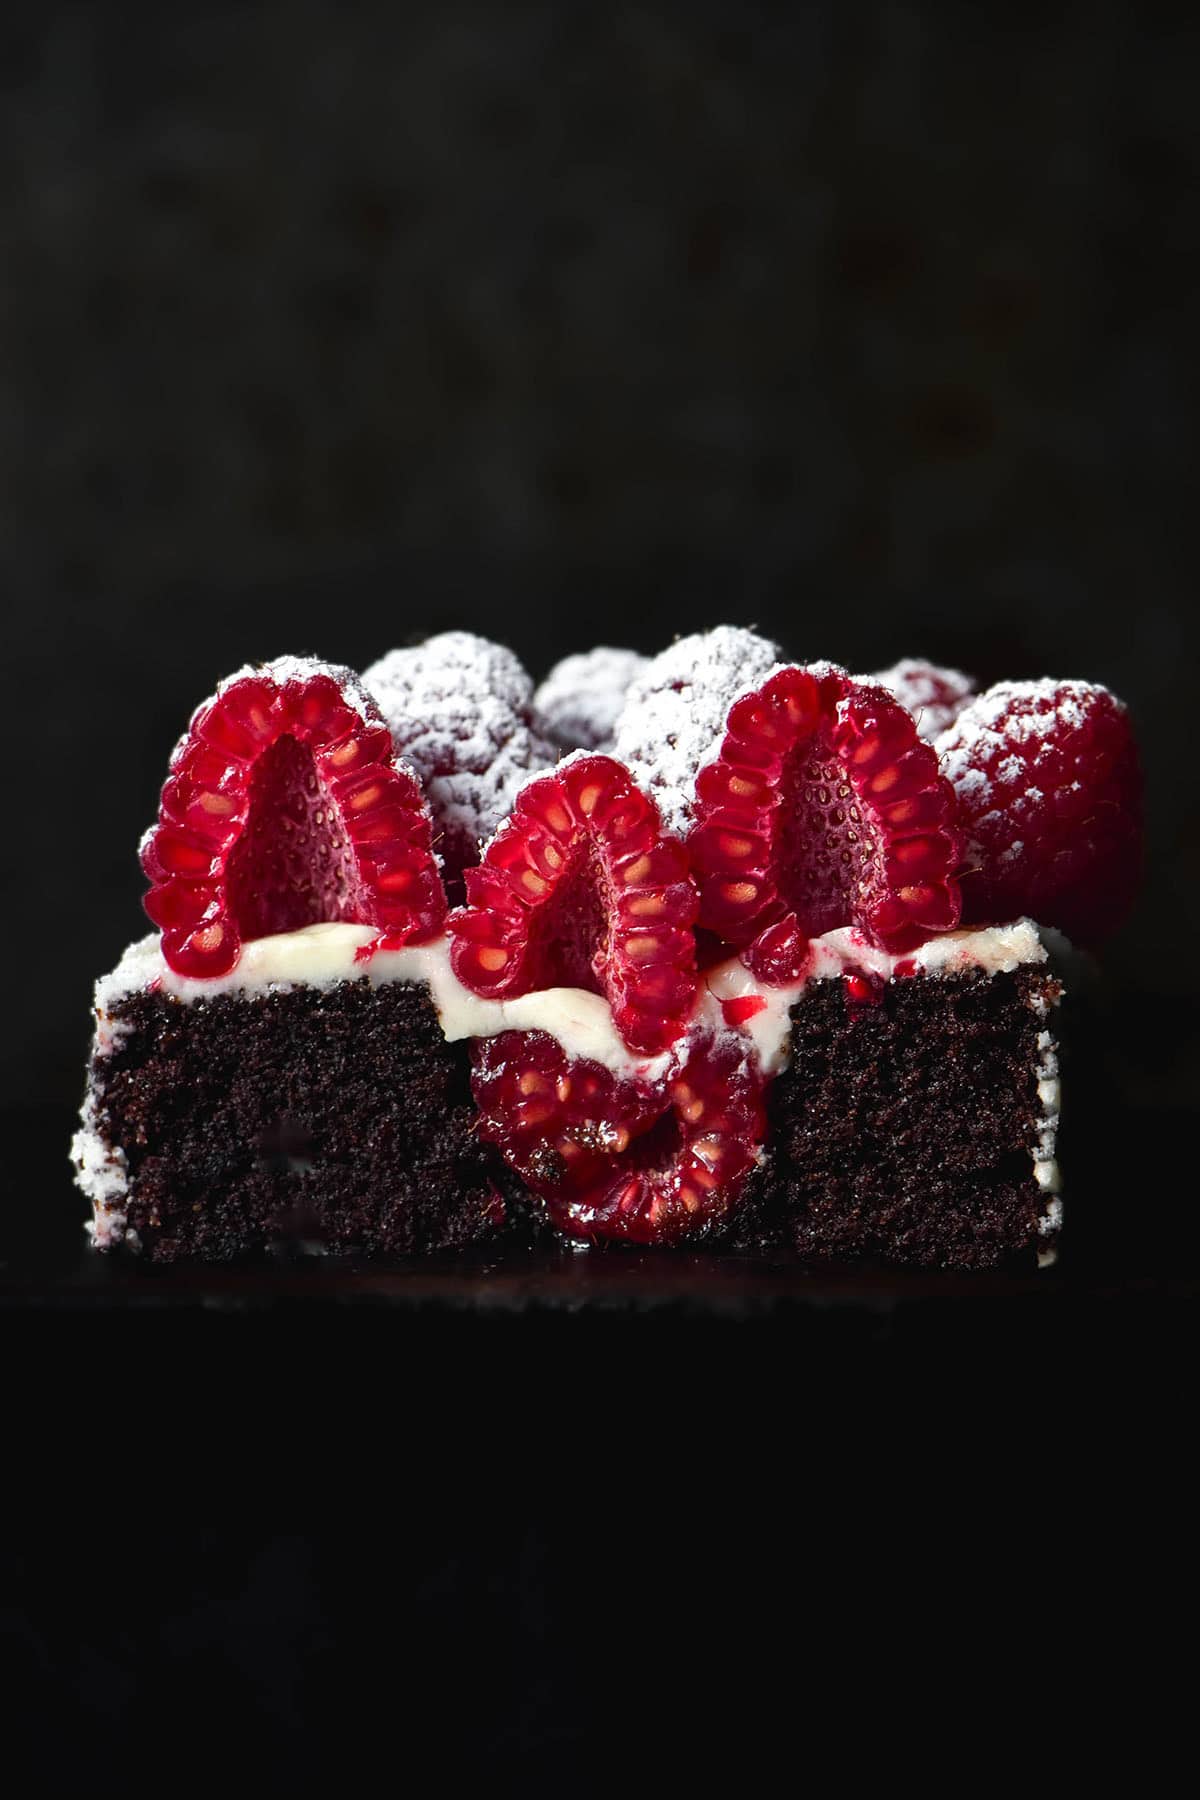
[(326, 327), (323, 327)]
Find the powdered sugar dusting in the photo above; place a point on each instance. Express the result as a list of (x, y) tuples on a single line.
[(460, 712), (102, 1173), (280, 672), (578, 704), (1001, 731), (284, 669), (934, 696), (673, 720)]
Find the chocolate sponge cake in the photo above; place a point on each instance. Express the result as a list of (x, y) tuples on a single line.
[(916, 1117), (735, 951), (912, 1129), (330, 1112)]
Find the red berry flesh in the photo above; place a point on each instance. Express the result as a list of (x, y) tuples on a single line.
[(285, 807), (822, 809), (1050, 796), (581, 887), (621, 1159)]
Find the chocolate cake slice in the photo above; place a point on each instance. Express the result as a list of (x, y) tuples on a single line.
[(916, 1118), (295, 1102), (760, 972)]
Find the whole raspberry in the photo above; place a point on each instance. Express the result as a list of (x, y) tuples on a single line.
[(460, 712), (674, 714), (1050, 800), (578, 704), (934, 696)]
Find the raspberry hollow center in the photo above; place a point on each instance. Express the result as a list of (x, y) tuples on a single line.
[(822, 849), (570, 943), (294, 864), (582, 888), (823, 809)]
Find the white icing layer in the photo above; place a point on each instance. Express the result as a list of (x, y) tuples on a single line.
[(320, 956), (100, 1170), (997, 949)]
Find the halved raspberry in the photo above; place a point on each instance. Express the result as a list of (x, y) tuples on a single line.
[(1050, 795), (622, 1159), (285, 807), (460, 710), (823, 809), (934, 696), (582, 888)]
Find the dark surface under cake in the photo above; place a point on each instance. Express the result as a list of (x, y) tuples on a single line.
[(338, 1116), (903, 1129)]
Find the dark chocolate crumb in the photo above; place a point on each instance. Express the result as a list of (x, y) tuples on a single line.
[(339, 1116)]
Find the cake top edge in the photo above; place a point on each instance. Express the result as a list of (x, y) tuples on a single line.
[(321, 955)]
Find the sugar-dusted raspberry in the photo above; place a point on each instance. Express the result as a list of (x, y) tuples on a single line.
[(934, 696), (821, 809), (612, 1158), (674, 715), (460, 712), (285, 806), (1050, 796), (581, 887), (578, 704)]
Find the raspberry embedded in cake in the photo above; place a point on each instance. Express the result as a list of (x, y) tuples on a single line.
[(285, 807), (582, 888), (644, 1162), (1049, 790), (460, 710)]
